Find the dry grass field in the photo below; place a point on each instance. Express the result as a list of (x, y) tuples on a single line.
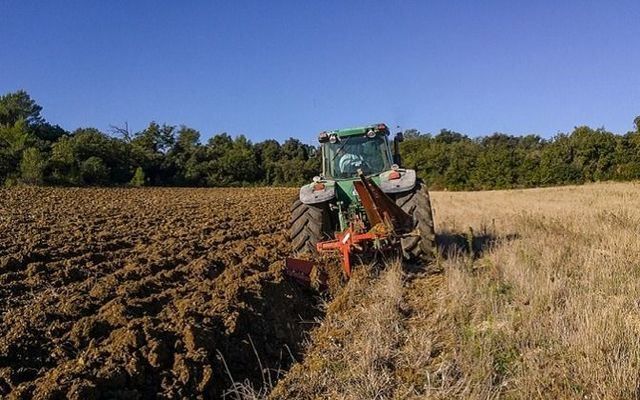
[(178, 293), (535, 294)]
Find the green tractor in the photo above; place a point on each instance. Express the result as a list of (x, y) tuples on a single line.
[(363, 201)]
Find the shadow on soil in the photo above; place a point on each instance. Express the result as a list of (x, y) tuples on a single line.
[(269, 337), (452, 243)]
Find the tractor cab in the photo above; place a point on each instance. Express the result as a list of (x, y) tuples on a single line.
[(346, 151), (349, 153)]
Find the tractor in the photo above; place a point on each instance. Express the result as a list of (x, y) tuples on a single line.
[(363, 202)]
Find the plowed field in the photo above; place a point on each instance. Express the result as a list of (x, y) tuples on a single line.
[(144, 293)]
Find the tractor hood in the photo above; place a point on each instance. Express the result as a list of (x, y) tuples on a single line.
[(388, 181)]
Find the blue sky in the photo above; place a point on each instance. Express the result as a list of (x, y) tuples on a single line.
[(275, 69)]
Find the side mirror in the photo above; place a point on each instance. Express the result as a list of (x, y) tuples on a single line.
[(397, 159), (323, 137)]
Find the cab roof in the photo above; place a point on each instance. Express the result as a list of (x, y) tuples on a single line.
[(360, 131)]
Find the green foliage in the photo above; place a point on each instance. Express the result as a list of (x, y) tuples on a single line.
[(296, 164), (70, 152), (233, 162), (149, 149), (450, 160), (63, 163), (93, 171), (19, 106), (32, 167), (268, 154), (13, 139), (138, 179), (34, 151), (15, 136)]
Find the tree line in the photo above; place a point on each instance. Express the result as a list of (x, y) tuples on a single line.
[(33, 151), (36, 152), (453, 161)]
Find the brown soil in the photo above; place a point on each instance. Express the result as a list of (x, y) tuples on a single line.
[(145, 293)]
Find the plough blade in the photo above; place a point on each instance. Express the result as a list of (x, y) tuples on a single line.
[(301, 271)]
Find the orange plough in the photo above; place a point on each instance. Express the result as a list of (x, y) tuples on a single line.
[(389, 224)]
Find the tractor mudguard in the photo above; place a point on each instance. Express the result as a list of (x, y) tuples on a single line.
[(308, 194), (406, 181)]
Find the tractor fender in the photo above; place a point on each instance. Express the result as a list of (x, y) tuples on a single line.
[(310, 196), (406, 182)]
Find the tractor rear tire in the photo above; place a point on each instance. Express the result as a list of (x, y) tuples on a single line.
[(310, 224), (417, 203)]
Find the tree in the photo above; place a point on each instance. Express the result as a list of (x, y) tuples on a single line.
[(19, 106), (138, 179), (411, 134), (496, 163), (463, 158), (232, 162), (528, 155), (22, 126), (268, 156), (16, 136), (48, 133), (63, 163), (294, 166), (32, 167), (155, 138), (294, 149), (180, 158), (70, 151), (447, 136), (594, 152), (149, 149), (556, 163), (13, 140), (94, 172)]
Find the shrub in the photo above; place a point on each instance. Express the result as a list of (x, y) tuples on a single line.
[(138, 178), (93, 171), (32, 167)]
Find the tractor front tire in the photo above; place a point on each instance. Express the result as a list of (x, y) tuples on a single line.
[(310, 224), (417, 204)]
